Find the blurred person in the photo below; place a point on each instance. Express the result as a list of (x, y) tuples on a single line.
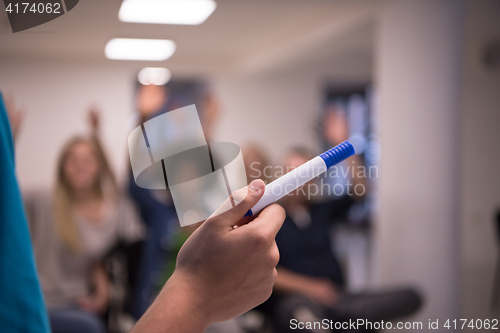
[(335, 131), (156, 209), (156, 206), (22, 297), (225, 268), (310, 281), (73, 229), (166, 238), (152, 100)]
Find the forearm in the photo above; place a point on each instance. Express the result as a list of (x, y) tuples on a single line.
[(221, 271), (101, 281), (289, 281), (96, 139), (177, 309), (98, 301), (320, 290)]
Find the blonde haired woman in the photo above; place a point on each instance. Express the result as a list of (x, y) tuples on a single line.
[(72, 229)]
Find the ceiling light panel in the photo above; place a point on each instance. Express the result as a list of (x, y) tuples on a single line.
[(139, 49), (154, 75), (166, 11)]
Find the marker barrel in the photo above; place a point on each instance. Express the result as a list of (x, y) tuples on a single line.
[(301, 175)]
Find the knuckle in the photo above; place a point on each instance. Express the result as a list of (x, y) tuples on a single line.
[(274, 277), (264, 238), (274, 256), (260, 239)]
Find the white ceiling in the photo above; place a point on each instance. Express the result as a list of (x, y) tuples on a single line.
[(241, 35)]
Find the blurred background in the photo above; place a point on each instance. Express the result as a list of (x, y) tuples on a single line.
[(417, 80)]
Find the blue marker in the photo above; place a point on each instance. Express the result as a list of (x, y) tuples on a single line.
[(301, 175)]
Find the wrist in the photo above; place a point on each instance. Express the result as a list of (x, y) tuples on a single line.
[(189, 297), (178, 308)]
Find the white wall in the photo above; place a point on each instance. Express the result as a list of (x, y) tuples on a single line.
[(439, 181), (480, 162), (418, 77), (56, 97), (275, 113)]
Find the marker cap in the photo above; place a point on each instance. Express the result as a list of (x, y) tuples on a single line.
[(337, 154)]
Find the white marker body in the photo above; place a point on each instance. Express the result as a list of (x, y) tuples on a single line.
[(290, 182)]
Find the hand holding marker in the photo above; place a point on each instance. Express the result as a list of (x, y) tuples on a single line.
[(301, 175)]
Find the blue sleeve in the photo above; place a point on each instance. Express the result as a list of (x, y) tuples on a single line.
[(22, 308)]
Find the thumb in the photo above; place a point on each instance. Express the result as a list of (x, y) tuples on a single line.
[(238, 203)]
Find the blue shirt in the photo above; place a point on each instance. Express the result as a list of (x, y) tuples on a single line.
[(22, 308)]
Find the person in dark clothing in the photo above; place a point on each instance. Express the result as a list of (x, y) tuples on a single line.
[(310, 283), (156, 206), (307, 247)]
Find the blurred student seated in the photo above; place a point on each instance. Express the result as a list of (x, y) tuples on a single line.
[(72, 229), (156, 260), (310, 284)]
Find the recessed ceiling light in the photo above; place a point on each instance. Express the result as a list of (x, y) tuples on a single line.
[(139, 49), (154, 75), (166, 11)]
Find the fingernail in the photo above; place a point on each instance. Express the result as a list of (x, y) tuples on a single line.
[(255, 186)]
